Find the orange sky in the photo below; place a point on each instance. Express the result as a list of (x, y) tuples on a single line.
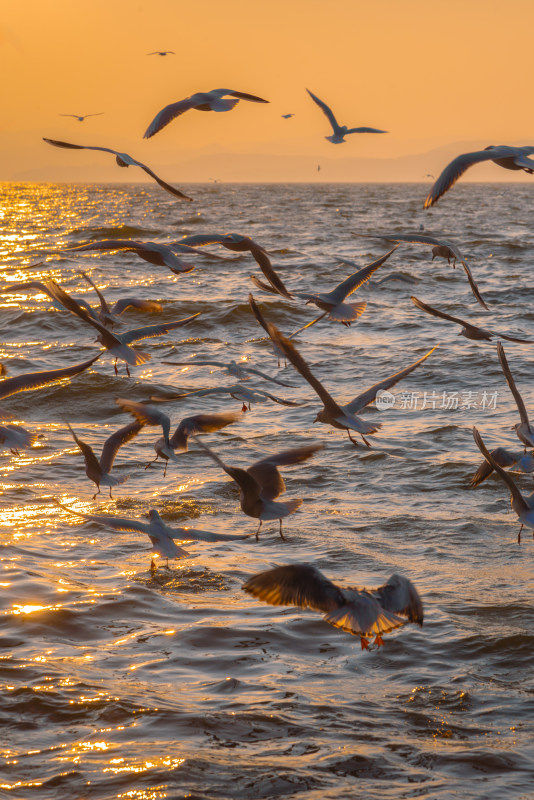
[(431, 72)]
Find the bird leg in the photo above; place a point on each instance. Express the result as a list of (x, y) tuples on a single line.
[(244, 407), (165, 469), (281, 534), (365, 440), (354, 442), (257, 532), (364, 642), (378, 640), (152, 462), (128, 371), (95, 494), (115, 367), (519, 534), (110, 493), (153, 567)]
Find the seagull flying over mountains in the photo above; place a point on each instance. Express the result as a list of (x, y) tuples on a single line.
[(503, 155), (340, 131), (216, 100), (123, 160), (362, 612)]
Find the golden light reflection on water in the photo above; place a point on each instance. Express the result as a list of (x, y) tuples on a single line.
[(144, 766)]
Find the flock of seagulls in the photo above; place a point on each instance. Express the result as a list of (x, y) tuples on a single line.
[(361, 612)]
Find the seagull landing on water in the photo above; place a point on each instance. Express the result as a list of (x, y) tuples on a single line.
[(362, 612), (216, 100), (160, 534), (340, 131), (503, 155), (262, 483), (123, 160)]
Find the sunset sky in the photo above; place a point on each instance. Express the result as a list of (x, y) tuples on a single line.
[(434, 74)]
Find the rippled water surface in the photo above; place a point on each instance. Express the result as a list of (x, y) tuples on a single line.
[(120, 682)]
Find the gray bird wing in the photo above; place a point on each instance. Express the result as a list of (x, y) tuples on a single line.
[(265, 377), (70, 146), (510, 338), (456, 169), (150, 331), (163, 184), (362, 615), (508, 480), (264, 263), (502, 456), (244, 96), (400, 596), (195, 535), (248, 485), (146, 415), (117, 523), (365, 130), (353, 282), (34, 380), (272, 397), (435, 313), (133, 302), (103, 304), (524, 162), (293, 355), (91, 460), (301, 585), (266, 474), (326, 110), (169, 113), (201, 423), (116, 440), (511, 383), (68, 302), (265, 287), (369, 395), (473, 285), (202, 239)]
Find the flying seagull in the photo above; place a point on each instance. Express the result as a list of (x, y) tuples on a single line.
[(340, 131), (108, 315), (469, 330), (158, 254), (523, 507), (15, 438), (202, 101), (162, 53), (167, 445), (160, 534), (123, 160), (362, 612), (262, 483), (239, 391), (503, 155), (287, 116), (523, 429), (441, 248), (98, 470), (341, 417), (518, 462), (35, 380), (240, 370), (80, 118)]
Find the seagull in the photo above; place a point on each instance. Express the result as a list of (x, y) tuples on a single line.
[(342, 417), (440, 249), (117, 344), (202, 101), (162, 53), (340, 131), (99, 471), (239, 370), (503, 155), (523, 507), (16, 438), (332, 302), (160, 534), (35, 380), (167, 445), (362, 612), (239, 391), (523, 429), (521, 462), (287, 116), (80, 118), (238, 243), (262, 483), (123, 160), (158, 254), (108, 315), (469, 330)]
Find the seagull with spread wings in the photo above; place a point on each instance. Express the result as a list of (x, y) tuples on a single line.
[(362, 612), (239, 391), (516, 461), (98, 470), (523, 429), (341, 417), (81, 118), (216, 100), (340, 131), (123, 160), (441, 248), (262, 483), (158, 254), (503, 155), (469, 330), (167, 445), (240, 370)]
